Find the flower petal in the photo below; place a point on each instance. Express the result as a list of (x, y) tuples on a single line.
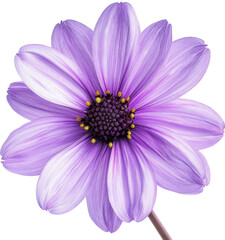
[(99, 207), (186, 64), (196, 123), (115, 45), (75, 41), (131, 184), (31, 106), (30, 147), (67, 177), (155, 44), (176, 165), (52, 76)]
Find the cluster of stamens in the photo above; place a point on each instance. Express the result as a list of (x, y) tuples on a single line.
[(108, 118)]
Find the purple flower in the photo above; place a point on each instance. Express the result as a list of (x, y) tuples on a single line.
[(107, 122)]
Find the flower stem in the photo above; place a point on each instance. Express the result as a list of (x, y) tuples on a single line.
[(159, 227)]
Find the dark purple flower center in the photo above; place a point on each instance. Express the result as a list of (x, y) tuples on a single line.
[(108, 118)]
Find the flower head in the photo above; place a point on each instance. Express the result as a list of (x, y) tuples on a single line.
[(107, 122)]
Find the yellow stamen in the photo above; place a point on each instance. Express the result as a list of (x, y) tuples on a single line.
[(79, 119), (123, 100), (128, 99), (132, 125), (89, 104), (98, 93), (110, 144), (132, 115), (129, 132), (93, 140), (119, 94), (108, 92), (98, 99), (129, 136), (86, 128), (133, 110), (82, 125)]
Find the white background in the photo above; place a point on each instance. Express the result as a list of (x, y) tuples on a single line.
[(194, 217)]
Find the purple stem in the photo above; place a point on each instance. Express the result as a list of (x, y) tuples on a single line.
[(159, 227)]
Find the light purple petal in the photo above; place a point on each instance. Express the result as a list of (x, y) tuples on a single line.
[(52, 76), (196, 123), (155, 44), (176, 165), (186, 64), (115, 45), (75, 41), (99, 207), (131, 183), (30, 147), (31, 106), (67, 177)]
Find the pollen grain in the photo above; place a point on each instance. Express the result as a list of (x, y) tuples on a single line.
[(98, 99), (93, 140), (129, 136), (86, 128), (123, 100)]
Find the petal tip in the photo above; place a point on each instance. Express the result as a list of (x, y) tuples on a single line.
[(17, 56), (164, 22), (63, 24)]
